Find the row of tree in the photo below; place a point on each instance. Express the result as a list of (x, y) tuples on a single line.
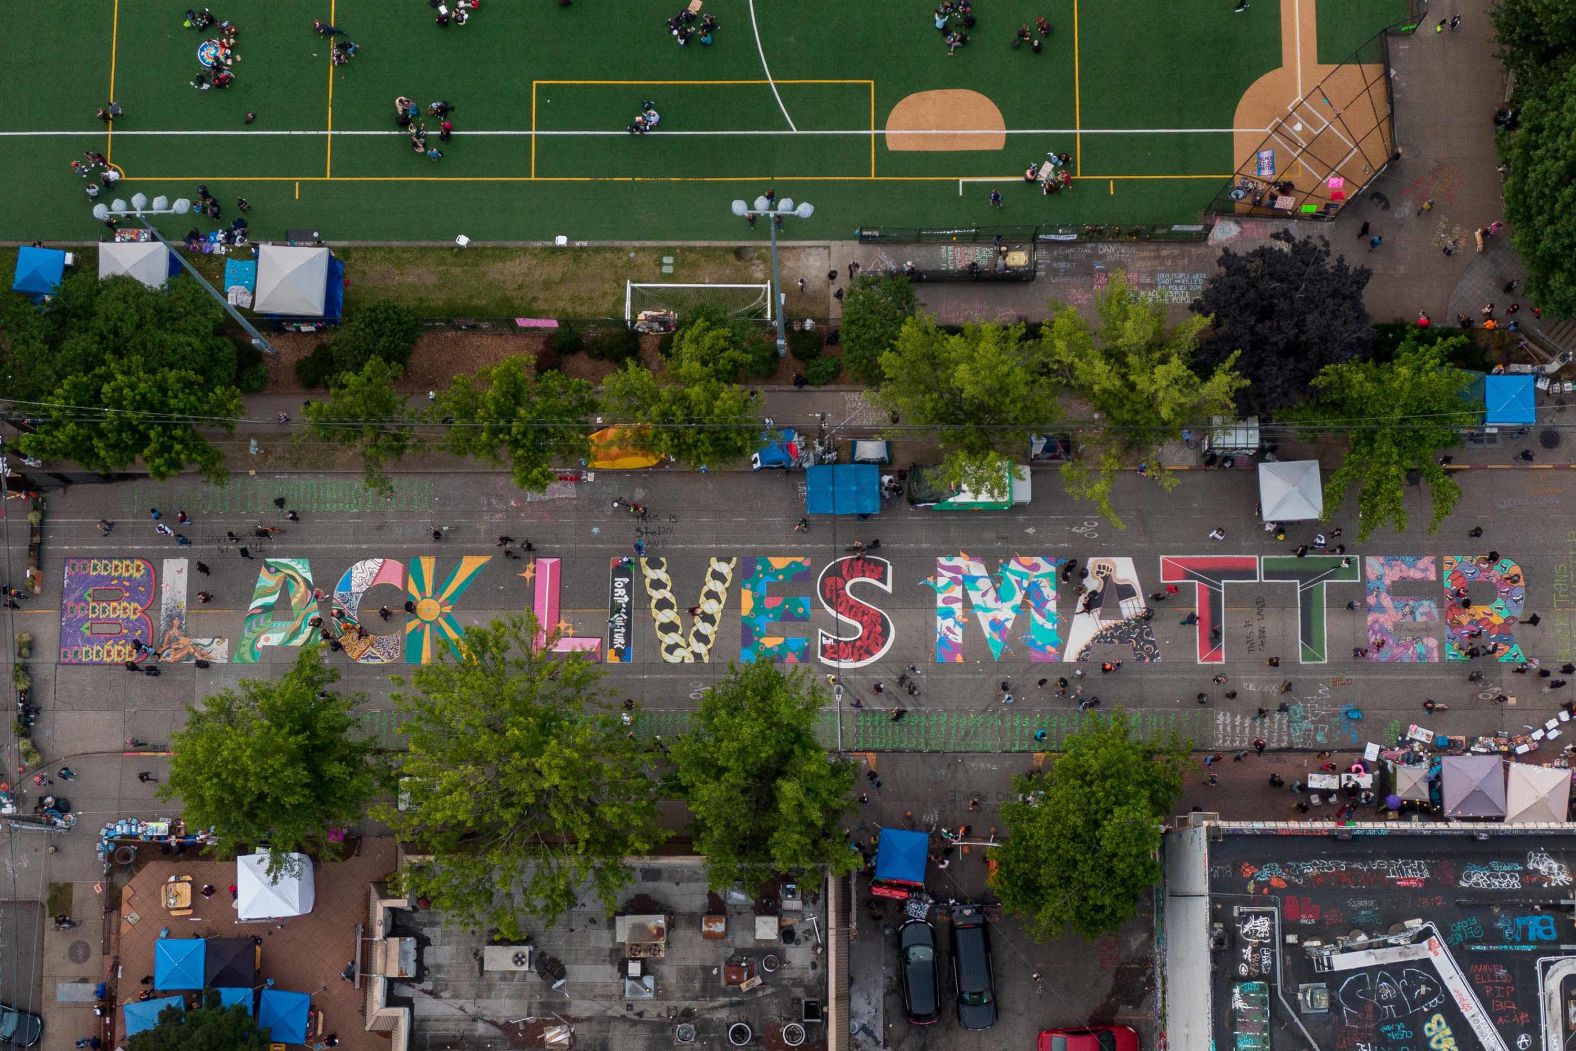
[(527, 786)]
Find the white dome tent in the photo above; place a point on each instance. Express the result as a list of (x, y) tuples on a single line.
[(259, 897)]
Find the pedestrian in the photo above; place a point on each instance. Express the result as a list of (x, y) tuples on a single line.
[(1259, 744), (155, 514), (1273, 662), (1532, 621), (1455, 23), (204, 597), (246, 552), (146, 776), (1217, 533), (995, 198), (1364, 231), (410, 607), (1374, 242), (898, 713), (202, 567), (1475, 531), (1429, 705), (181, 518), (437, 534)]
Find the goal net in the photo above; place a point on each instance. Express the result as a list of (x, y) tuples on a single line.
[(751, 302)]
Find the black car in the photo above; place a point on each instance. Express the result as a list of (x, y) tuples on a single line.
[(19, 1028), (921, 978), (971, 968)]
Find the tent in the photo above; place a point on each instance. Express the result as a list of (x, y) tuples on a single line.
[(283, 1014), (1411, 782), (782, 453), (1290, 491), (1474, 786), (843, 489), (143, 1016), (260, 898), (178, 963), (621, 449), (38, 270), (1537, 793), (150, 262), (1508, 400), (228, 997), (871, 450), (231, 961), (298, 281), (901, 856)]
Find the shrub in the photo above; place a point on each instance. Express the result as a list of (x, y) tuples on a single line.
[(665, 345), (807, 345), (384, 330), (29, 751), (548, 360), (566, 340), (251, 373), (760, 357), (317, 368), (617, 345), (822, 371)]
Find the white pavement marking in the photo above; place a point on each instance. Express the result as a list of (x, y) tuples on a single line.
[(622, 133), (767, 69)]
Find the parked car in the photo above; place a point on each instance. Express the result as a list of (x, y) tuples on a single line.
[(920, 972), (20, 1028), (971, 968), (1089, 1038)]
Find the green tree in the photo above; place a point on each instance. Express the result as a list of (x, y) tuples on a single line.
[(983, 389), (365, 412), (701, 420), (385, 330), (1397, 417), (538, 423), (1540, 192), (713, 345), (873, 314), (1139, 377), (1537, 38), (273, 764), (767, 798), (206, 1028), (117, 414), (1083, 833), (518, 781)]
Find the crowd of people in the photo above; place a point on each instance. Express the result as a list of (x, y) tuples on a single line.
[(94, 164), (457, 14), (1054, 174), (954, 20), (217, 55), (409, 116), (647, 119), (691, 24)]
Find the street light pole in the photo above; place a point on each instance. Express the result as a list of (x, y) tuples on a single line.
[(783, 209), (139, 211)]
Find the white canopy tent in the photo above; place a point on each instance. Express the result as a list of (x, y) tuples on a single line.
[(257, 897), (147, 261), (1537, 794), (291, 280), (1291, 491), (1411, 782)]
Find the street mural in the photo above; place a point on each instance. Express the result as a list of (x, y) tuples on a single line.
[(1417, 608)]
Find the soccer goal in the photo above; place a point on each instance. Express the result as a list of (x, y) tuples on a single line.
[(648, 305)]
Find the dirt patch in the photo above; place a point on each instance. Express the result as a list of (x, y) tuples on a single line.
[(945, 120)]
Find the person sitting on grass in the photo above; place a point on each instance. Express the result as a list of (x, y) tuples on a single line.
[(639, 127)]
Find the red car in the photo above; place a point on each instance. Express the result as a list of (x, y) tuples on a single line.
[(1089, 1038)]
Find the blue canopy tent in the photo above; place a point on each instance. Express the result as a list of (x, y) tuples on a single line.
[(143, 1016), (901, 856), (38, 270), (843, 489), (179, 963), (782, 453), (1508, 400), (228, 997), (284, 1015)]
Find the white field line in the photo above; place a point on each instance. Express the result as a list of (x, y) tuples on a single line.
[(620, 133), (766, 69)]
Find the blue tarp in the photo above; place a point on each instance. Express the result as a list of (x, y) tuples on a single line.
[(242, 272), (1508, 400), (237, 996), (843, 489), (334, 294), (283, 1014), (179, 963), (782, 454), (38, 270), (145, 1015), (901, 856)]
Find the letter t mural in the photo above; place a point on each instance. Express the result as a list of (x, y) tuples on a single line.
[(1209, 576)]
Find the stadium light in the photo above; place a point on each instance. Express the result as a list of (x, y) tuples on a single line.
[(140, 209), (775, 213)]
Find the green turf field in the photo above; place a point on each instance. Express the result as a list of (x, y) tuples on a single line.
[(1141, 93)]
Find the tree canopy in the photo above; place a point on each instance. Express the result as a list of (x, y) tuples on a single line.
[(275, 763), (767, 798), (700, 420), (1540, 190), (366, 413), (1397, 418), (874, 310), (1287, 312), (126, 372), (1139, 377), (383, 330), (519, 782), (206, 1028), (1537, 39), (983, 389), (537, 423), (1083, 833)]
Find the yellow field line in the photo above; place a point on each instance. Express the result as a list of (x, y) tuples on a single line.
[(533, 129), (328, 163), (872, 129), (1077, 99), (700, 83), (114, 45), (622, 178)]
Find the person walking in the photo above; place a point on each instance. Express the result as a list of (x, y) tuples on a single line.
[(1374, 242), (995, 198), (146, 776), (1217, 533)]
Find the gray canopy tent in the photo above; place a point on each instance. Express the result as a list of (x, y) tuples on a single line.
[(1290, 491), (1474, 786)]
